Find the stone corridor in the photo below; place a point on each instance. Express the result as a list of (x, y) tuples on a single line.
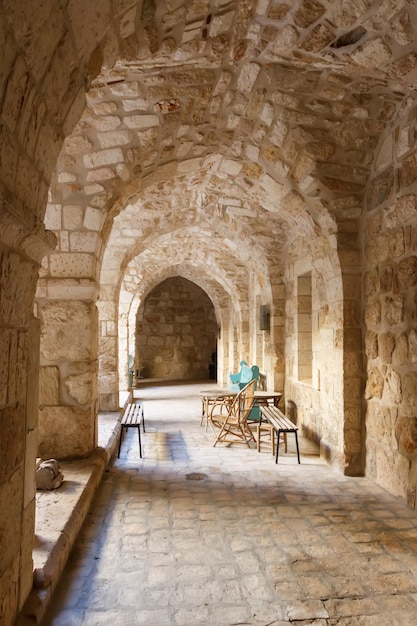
[(195, 535), (188, 178)]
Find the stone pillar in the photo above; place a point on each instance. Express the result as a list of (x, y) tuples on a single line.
[(108, 346), (354, 444), (68, 376), (23, 242), (277, 370)]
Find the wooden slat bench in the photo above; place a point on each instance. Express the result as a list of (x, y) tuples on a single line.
[(281, 424), (133, 417)]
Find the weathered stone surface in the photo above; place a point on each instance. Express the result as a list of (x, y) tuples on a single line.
[(78, 320), (172, 344), (9, 590), (403, 211), (80, 386), (381, 189), (392, 387), (407, 273), (406, 434), (75, 265), (408, 170), (393, 310), (227, 144), (386, 344), (412, 342), (373, 314), (410, 389), (11, 493), (65, 432), (374, 384), (401, 349), (49, 386), (371, 344), (380, 424)]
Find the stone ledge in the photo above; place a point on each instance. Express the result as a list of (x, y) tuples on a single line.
[(59, 516)]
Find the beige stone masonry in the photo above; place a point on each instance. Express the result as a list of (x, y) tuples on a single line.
[(238, 146)]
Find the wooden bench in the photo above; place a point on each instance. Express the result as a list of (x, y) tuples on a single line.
[(281, 424), (133, 417)]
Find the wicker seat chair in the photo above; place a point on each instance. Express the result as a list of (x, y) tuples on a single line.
[(231, 418)]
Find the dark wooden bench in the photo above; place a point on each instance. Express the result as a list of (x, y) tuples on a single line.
[(281, 424), (133, 417)]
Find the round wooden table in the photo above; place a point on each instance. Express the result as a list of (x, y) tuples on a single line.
[(210, 396), (267, 397)]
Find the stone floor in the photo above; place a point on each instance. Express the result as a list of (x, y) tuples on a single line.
[(196, 535)]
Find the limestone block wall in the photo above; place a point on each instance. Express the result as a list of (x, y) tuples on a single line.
[(176, 331), (390, 317), (316, 404), (68, 379), (109, 329), (19, 359)]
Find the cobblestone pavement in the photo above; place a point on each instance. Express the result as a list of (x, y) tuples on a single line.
[(195, 535)]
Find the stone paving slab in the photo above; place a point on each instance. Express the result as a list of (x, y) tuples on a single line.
[(196, 535)]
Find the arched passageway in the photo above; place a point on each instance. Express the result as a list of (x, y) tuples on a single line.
[(176, 332), (264, 151)]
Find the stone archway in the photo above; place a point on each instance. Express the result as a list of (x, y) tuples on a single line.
[(259, 123), (176, 331)]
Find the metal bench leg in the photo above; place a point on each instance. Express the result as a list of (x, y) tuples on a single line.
[(296, 443), (120, 441), (277, 450), (140, 441)]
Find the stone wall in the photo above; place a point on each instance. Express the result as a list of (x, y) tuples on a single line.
[(390, 298), (176, 332), (317, 404), (19, 359), (68, 379)]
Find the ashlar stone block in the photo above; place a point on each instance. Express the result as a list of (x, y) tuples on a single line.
[(9, 584), (103, 158), (10, 531), (373, 314), (77, 144), (392, 387), (72, 216), (412, 343), (410, 389), (67, 330), (386, 344), (404, 210), (49, 385), (138, 122), (247, 77), (114, 138), (409, 170), (100, 174), (93, 218), (74, 265), (84, 241), (393, 310), (79, 386), (27, 541), (374, 384), (401, 350), (407, 273), (406, 434), (66, 432)]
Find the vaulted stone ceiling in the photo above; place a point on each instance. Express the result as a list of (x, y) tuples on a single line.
[(226, 129)]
